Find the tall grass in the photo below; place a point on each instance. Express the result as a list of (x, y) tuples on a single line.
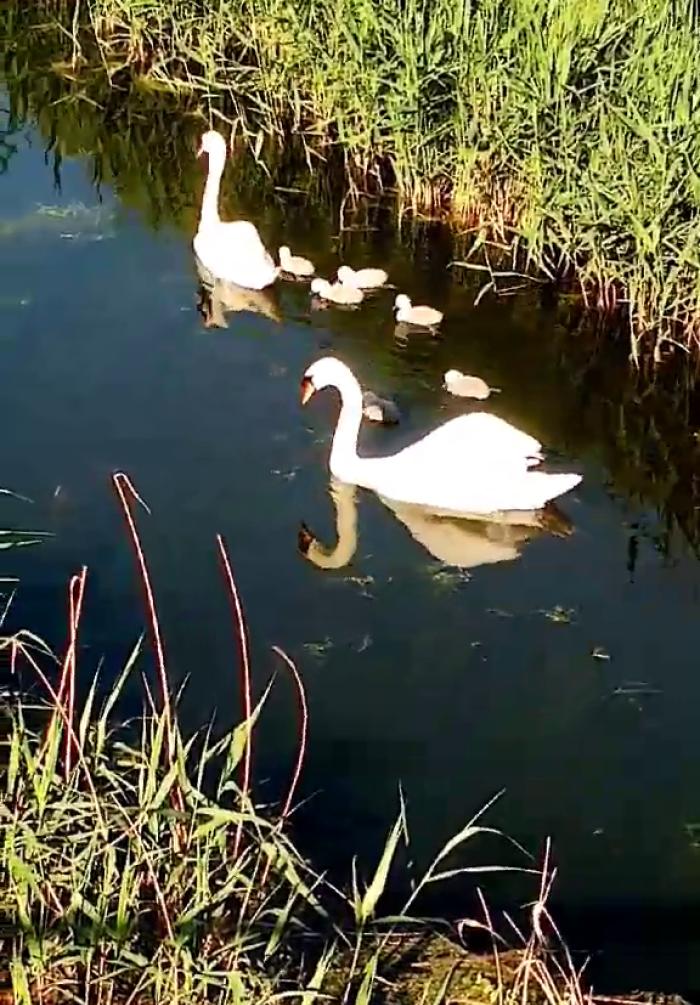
[(136, 866), (567, 130)]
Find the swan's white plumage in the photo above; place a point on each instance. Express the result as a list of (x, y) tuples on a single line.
[(295, 265), (337, 293), (420, 316), (362, 279), (474, 464), (231, 251), (463, 385)]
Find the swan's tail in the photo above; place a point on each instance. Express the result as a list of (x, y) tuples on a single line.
[(543, 486)]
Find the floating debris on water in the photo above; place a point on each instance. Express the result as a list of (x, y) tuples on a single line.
[(636, 687), (450, 578), (288, 475), (598, 653), (559, 615), (76, 215), (318, 650), (14, 301), (363, 582)]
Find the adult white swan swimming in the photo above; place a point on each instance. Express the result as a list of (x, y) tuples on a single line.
[(473, 464), (230, 251)]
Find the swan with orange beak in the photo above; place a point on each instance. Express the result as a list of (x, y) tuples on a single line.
[(472, 464)]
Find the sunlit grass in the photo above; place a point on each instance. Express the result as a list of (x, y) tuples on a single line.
[(568, 129)]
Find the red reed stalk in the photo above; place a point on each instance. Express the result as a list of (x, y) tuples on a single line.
[(241, 633), (76, 592), (303, 729), (123, 484)]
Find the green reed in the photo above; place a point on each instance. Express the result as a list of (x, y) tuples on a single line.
[(569, 128), (135, 866)]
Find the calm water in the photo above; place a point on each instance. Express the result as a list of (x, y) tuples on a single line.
[(455, 685)]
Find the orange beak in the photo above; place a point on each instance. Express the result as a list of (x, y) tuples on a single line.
[(307, 389)]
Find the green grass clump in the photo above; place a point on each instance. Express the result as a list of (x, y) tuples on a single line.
[(569, 129), (134, 867)]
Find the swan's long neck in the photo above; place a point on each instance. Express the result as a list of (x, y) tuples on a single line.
[(344, 459), (210, 199)]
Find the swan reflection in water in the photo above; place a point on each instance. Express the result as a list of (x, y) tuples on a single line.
[(218, 297), (462, 542)]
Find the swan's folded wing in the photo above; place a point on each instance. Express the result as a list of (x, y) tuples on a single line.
[(478, 439)]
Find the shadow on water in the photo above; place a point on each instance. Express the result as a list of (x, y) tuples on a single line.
[(557, 660)]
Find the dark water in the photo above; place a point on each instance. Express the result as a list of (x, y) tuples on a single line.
[(454, 685)]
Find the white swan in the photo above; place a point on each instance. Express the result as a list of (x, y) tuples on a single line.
[(295, 265), (230, 251), (462, 385), (473, 464), (419, 316), (463, 544), (362, 279), (336, 293)]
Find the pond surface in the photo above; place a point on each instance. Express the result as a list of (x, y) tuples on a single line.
[(567, 676)]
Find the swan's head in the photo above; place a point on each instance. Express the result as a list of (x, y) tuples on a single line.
[(345, 274), (402, 302), (451, 376), (326, 372), (320, 286), (284, 253), (213, 145)]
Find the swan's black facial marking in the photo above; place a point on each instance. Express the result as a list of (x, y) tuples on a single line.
[(307, 389)]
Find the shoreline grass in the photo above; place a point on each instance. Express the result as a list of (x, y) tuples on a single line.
[(566, 132), (136, 866), (141, 144)]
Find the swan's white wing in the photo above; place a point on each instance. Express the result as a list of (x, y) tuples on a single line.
[(474, 440), (243, 240), (234, 251), (476, 463)]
